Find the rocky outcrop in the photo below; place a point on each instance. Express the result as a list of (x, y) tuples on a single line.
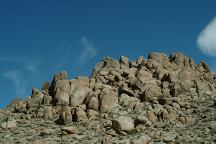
[(162, 99)]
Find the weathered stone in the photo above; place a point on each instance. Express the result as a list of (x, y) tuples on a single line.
[(150, 92), (9, 124), (47, 100), (108, 102), (79, 90), (80, 114), (127, 101), (36, 98), (141, 119), (124, 62), (169, 137), (144, 76), (212, 125), (152, 117), (17, 105), (65, 116), (142, 140), (92, 113), (62, 85), (48, 113), (69, 130), (107, 64), (60, 76), (61, 97), (123, 123), (93, 103)]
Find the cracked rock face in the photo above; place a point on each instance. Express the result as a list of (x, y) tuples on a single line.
[(162, 99)]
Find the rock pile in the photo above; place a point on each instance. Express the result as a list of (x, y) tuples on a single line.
[(146, 101)]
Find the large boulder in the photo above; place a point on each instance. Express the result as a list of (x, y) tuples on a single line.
[(105, 66), (17, 105), (108, 102), (123, 123), (65, 116), (79, 90), (124, 62), (36, 98)]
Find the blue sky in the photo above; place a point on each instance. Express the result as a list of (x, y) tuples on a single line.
[(40, 38)]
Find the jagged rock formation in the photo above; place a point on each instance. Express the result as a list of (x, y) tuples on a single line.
[(156, 100)]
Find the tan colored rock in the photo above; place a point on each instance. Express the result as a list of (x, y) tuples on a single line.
[(62, 85), (48, 113), (79, 90), (62, 97), (92, 113), (60, 76), (159, 57), (151, 91), (106, 65), (140, 119), (212, 125), (127, 101), (152, 117), (65, 116), (17, 105), (142, 140), (123, 123), (9, 124), (36, 98), (182, 120), (93, 103), (47, 100), (124, 62), (69, 130), (108, 102), (144, 75), (80, 114)]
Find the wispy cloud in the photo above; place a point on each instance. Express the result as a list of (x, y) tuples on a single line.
[(88, 51), (19, 83), (32, 67), (28, 64), (207, 39)]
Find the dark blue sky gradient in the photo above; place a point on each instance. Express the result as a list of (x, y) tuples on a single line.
[(46, 34)]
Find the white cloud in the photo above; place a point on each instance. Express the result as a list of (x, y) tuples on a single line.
[(15, 77), (33, 68), (88, 52), (207, 39)]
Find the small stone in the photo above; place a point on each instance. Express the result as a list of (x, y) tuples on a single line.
[(92, 113), (124, 62), (123, 123), (142, 140), (60, 76), (4, 125), (93, 103), (65, 116), (9, 124), (159, 125), (152, 117), (169, 137), (69, 130), (140, 127), (141, 119), (182, 120), (80, 114), (108, 101), (46, 132), (212, 125)]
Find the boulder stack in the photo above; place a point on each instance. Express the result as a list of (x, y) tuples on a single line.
[(162, 99)]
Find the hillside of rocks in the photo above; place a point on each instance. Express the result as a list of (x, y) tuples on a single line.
[(157, 100)]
